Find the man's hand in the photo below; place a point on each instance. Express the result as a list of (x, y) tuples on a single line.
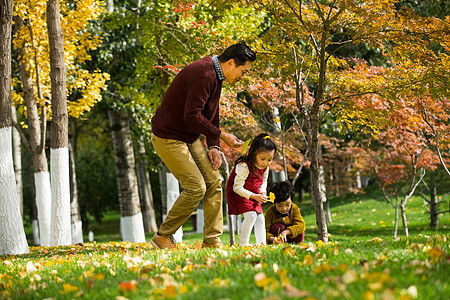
[(215, 158), (230, 139)]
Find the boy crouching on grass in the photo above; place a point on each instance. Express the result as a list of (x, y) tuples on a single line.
[(284, 223)]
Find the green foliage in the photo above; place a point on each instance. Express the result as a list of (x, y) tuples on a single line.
[(95, 168)]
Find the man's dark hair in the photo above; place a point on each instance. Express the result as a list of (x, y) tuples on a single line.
[(282, 191), (239, 52)]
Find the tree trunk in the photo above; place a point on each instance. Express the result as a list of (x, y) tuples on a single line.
[(17, 159), (145, 191), (170, 190), (316, 194), (312, 123), (75, 216), (33, 213), (396, 217), (323, 191), (59, 151), (403, 216), (12, 235), (434, 222), (36, 132), (131, 224)]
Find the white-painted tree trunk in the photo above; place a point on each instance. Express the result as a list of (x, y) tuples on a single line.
[(126, 175), (128, 227), (278, 176), (17, 159), (12, 235), (358, 179), (200, 219), (44, 206), (77, 232), (170, 191), (35, 228), (75, 217), (60, 186)]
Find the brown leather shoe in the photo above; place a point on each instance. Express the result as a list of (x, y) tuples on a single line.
[(215, 245), (163, 242)]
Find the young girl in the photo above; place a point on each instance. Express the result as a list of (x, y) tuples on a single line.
[(284, 223), (246, 187)]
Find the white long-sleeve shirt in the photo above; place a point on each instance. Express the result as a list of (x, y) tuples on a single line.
[(242, 172)]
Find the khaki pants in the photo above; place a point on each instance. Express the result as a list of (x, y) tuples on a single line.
[(190, 165)]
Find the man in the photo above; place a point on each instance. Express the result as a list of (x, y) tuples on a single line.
[(190, 108)]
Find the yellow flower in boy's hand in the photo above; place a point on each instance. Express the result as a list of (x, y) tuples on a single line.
[(277, 240), (271, 197)]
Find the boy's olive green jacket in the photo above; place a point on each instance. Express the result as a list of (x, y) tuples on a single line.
[(294, 221)]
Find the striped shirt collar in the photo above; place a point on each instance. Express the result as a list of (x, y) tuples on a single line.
[(218, 68)]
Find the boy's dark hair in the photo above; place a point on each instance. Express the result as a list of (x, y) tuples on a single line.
[(262, 142), (239, 52), (282, 191)]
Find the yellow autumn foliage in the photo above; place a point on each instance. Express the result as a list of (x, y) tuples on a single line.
[(32, 41)]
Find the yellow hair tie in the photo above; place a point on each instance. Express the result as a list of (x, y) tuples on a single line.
[(267, 137)]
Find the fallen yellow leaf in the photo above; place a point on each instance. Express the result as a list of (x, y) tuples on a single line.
[(308, 260), (68, 288), (375, 240), (369, 295), (170, 291), (349, 276), (436, 253), (30, 267), (99, 276), (289, 251), (292, 291)]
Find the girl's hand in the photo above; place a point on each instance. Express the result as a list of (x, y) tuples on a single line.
[(261, 198)]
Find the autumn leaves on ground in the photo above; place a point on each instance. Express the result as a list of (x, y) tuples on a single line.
[(362, 261)]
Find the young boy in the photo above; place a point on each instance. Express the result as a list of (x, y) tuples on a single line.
[(284, 223)]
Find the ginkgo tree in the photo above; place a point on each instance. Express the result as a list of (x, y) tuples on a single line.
[(32, 92), (12, 234)]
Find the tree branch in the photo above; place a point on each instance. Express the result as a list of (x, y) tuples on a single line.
[(425, 205), (436, 136), (387, 197)]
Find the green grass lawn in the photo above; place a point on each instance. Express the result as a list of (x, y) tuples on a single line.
[(361, 261)]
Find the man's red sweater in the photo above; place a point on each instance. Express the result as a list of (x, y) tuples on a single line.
[(190, 106)]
